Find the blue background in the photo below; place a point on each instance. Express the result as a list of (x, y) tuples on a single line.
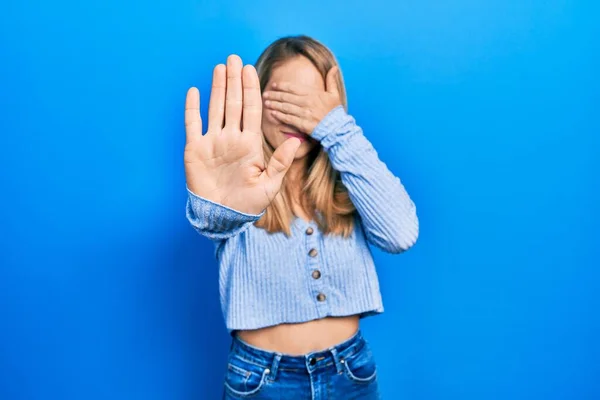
[(487, 110)]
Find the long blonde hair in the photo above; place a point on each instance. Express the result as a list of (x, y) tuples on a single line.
[(324, 196)]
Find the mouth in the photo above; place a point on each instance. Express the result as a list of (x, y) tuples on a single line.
[(291, 131), (298, 135)]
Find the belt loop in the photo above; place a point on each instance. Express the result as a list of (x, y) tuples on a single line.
[(275, 366), (336, 360)]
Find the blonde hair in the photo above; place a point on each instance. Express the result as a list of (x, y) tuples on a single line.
[(323, 196)]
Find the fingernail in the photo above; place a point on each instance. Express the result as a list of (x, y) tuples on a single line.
[(267, 103), (274, 84)]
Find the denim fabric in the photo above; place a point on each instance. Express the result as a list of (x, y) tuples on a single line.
[(345, 371)]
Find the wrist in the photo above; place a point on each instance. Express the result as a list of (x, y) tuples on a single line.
[(334, 119)]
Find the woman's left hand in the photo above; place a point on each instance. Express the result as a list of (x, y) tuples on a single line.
[(301, 106)]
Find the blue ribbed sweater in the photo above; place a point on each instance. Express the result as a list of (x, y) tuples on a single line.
[(267, 279)]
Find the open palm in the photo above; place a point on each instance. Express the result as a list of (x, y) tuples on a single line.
[(227, 165)]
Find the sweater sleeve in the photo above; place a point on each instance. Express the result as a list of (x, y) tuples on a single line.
[(387, 212), (216, 221)]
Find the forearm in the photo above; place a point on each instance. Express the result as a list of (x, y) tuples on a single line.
[(386, 210)]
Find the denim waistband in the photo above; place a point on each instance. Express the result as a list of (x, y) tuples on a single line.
[(310, 361)]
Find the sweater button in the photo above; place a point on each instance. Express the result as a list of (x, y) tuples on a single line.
[(313, 252), (316, 274), (321, 297), (309, 231)]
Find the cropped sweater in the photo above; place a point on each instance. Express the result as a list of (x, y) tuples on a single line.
[(268, 278)]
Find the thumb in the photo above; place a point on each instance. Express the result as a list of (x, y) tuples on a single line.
[(280, 163), (331, 80)]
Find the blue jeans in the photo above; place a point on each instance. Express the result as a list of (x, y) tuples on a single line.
[(344, 371)]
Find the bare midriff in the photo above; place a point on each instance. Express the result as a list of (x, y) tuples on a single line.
[(302, 338)]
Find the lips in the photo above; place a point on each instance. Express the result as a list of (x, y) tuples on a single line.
[(300, 136)]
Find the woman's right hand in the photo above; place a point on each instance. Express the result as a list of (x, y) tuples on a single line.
[(227, 165)]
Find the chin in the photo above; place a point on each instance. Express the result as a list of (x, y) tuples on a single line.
[(301, 153), (305, 149)]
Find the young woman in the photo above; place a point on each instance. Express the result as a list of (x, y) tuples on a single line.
[(291, 192)]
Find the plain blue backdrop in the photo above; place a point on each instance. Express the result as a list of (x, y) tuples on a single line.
[(487, 110)]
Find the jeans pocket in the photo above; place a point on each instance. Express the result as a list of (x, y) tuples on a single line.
[(244, 378), (360, 367)]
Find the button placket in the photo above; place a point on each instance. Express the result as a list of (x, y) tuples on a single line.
[(314, 271)]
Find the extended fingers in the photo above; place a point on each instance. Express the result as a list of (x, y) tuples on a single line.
[(233, 97), (252, 109), (285, 97), (216, 108), (287, 108), (193, 122)]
